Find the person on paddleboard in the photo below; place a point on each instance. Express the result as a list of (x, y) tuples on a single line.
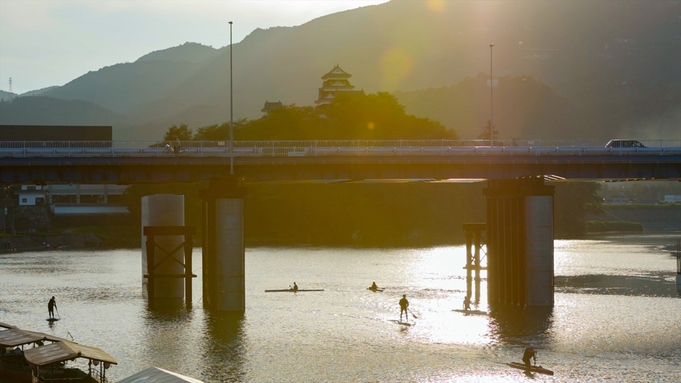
[(467, 303), (530, 353), (404, 304), (295, 287), (373, 286), (50, 306)]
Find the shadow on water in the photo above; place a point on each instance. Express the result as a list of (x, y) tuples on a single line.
[(224, 347), (520, 325)]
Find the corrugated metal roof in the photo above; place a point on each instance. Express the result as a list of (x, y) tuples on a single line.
[(158, 375), (63, 351)]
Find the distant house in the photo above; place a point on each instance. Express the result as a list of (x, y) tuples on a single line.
[(335, 81), (271, 106), (67, 199)]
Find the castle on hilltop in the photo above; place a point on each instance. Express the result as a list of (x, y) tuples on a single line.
[(335, 81)]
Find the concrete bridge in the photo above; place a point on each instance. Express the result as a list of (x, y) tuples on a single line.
[(519, 225), (145, 162)]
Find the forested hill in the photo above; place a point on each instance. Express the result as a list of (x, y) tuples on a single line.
[(617, 61)]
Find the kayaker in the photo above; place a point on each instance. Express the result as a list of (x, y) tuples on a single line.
[(530, 353), (373, 286), (404, 303), (51, 305), (295, 287)]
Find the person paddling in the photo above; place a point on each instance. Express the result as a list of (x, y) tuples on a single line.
[(373, 286), (530, 353), (295, 287), (51, 305), (404, 304)]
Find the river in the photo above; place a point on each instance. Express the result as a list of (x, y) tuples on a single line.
[(617, 315)]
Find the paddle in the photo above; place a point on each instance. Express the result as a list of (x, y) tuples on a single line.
[(58, 316), (412, 314)]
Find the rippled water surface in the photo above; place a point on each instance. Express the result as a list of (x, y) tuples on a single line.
[(617, 316)]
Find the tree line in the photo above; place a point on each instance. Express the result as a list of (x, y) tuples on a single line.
[(397, 214)]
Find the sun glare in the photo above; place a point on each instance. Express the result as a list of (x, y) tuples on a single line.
[(436, 5), (395, 66)]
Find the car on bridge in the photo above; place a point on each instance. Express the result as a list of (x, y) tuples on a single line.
[(624, 144)]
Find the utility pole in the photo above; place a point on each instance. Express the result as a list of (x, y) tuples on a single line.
[(231, 107)]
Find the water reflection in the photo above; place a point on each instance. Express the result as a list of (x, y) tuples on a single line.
[(520, 325), (224, 341)]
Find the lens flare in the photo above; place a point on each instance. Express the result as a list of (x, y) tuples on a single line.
[(395, 65)]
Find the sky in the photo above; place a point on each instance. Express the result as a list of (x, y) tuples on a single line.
[(51, 42)]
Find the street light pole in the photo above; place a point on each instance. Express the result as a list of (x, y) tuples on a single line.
[(231, 106), (491, 98)]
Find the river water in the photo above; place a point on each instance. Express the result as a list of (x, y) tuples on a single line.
[(617, 315)]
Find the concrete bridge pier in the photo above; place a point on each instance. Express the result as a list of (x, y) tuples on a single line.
[(520, 242), (223, 246), (167, 289)]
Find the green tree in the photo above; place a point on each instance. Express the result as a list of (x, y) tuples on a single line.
[(572, 202), (181, 132), (489, 132)]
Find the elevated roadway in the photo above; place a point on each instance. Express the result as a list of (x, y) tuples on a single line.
[(119, 162)]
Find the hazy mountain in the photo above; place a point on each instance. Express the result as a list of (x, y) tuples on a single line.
[(602, 55), (5, 96), (39, 110), (191, 52), (38, 92), (524, 108)]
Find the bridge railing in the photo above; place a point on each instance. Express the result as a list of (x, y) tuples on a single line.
[(320, 148)]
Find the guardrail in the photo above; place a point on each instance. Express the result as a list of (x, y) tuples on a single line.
[(321, 148)]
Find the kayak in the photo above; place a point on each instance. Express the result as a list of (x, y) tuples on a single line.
[(375, 290), (538, 369), (291, 290)]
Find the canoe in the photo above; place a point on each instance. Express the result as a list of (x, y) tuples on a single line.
[(291, 290), (538, 369)]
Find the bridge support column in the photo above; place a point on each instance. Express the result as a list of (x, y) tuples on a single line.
[(520, 242), (474, 243), (223, 246), (164, 210)]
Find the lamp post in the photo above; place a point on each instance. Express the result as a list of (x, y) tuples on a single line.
[(491, 98), (231, 107)]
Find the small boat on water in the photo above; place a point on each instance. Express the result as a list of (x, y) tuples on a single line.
[(538, 369), (13, 344), (155, 374), (50, 363), (375, 289), (24, 357)]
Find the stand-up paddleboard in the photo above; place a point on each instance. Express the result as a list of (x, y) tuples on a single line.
[(538, 369), (402, 323), (52, 319), (471, 312)]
